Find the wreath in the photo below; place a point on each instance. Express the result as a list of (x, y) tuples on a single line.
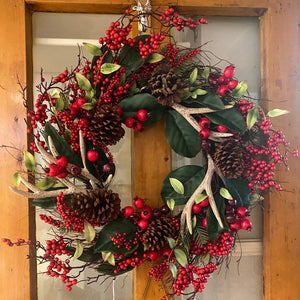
[(134, 82)]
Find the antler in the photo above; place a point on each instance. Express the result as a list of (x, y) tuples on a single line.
[(205, 185), (187, 113)]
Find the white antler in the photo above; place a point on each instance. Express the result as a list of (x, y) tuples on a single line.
[(186, 215)]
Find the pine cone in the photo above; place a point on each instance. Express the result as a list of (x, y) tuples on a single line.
[(229, 158), (100, 205), (166, 86), (106, 125), (156, 236)]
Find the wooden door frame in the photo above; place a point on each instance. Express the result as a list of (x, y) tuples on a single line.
[(280, 48)]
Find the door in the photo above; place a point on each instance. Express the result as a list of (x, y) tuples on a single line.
[(279, 75)]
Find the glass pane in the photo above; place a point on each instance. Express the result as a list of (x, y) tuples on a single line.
[(237, 41), (56, 38)]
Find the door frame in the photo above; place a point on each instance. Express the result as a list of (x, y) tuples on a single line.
[(280, 48)]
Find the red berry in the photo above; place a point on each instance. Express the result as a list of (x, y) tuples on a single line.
[(80, 101), (108, 168), (167, 252), (62, 173), (53, 170), (232, 84), (146, 212), (143, 115), (204, 122), (242, 212), (204, 202), (222, 128), (153, 255), (137, 126), (138, 203), (92, 155), (119, 110), (128, 211), (129, 122), (204, 222), (236, 226), (204, 133), (62, 161), (246, 224), (83, 123), (205, 145), (196, 208), (223, 90), (75, 170), (229, 72), (222, 80), (143, 224)]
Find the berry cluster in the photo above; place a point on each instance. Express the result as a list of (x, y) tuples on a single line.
[(19, 242), (128, 263), (158, 272), (120, 240), (151, 44)]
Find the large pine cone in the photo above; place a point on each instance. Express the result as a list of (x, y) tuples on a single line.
[(157, 234), (229, 158), (106, 125), (100, 205), (166, 86)]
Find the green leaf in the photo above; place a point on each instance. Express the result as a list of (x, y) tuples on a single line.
[(154, 58), (199, 198), (88, 106), (225, 193), (78, 251), (120, 225), (29, 161), (172, 243), (206, 72), (193, 76), (16, 179), (252, 117), (59, 104), (173, 269), (254, 197), (194, 222), (191, 176), (177, 186), (231, 118), (180, 257), (201, 92), (212, 100), (108, 68), (61, 145), (89, 95), (94, 50), (131, 105), (46, 183), (83, 82), (277, 112), (88, 254), (89, 232), (123, 79), (181, 136), (49, 202), (171, 203), (67, 133), (109, 257), (239, 189), (186, 94), (240, 89)]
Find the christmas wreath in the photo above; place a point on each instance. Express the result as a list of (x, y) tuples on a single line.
[(134, 82)]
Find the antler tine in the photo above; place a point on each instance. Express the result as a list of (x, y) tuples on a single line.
[(186, 215), (44, 153), (108, 181)]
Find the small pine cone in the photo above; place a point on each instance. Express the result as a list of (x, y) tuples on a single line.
[(157, 234), (229, 158), (166, 86), (100, 206), (106, 125)]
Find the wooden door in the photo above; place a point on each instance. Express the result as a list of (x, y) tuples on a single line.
[(279, 72)]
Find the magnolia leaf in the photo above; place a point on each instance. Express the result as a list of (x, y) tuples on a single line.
[(194, 95), (78, 251), (277, 112), (252, 117), (105, 255), (88, 106), (254, 197), (180, 257), (109, 68), (123, 79), (173, 269), (89, 232), (194, 221), (186, 94), (16, 179), (205, 73), (30, 161), (90, 94), (94, 50), (200, 197), (200, 92), (83, 82), (240, 89), (154, 58), (177, 186), (225, 193), (171, 203), (59, 104), (111, 259), (46, 183), (193, 76), (172, 243), (67, 133), (55, 94)]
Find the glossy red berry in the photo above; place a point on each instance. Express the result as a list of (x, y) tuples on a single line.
[(62, 173), (143, 224), (246, 224), (80, 101), (232, 84), (204, 202), (143, 115), (196, 208), (83, 123), (223, 90), (53, 170), (62, 161), (146, 212), (92, 155), (153, 255), (128, 211), (129, 122), (236, 226), (138, 203), (119, 110), (108, 168), (229, 72), (242, 212), (137, 126), (204, 122), (222, 128), (204, 222), (204, 133), (167, 252), (222, 80)]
